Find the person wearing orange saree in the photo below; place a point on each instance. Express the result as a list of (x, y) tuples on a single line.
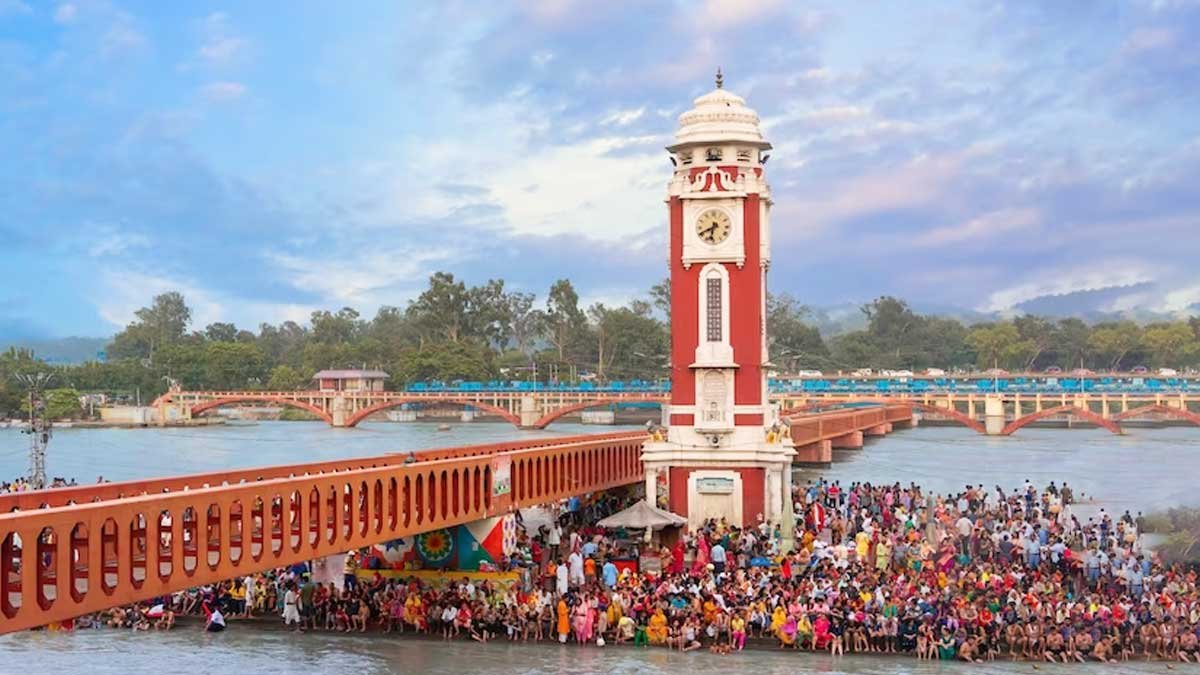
[(564, 620), (656, 631)]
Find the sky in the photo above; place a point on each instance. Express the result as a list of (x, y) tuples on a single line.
[(271, 159)]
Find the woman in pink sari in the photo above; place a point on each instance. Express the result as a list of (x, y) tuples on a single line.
[(700, 564), (821, 634), (946, 557), (579, 621)]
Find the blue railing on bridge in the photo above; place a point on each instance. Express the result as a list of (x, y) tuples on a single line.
[(519, 386), (843, 385)]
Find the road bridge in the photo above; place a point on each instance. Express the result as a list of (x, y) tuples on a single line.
[(1002, 414), (526, 410)]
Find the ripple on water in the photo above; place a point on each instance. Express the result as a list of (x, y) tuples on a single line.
[(101, 652)]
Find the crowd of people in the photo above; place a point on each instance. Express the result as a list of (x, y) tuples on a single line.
[(976, 575), (22, 484)]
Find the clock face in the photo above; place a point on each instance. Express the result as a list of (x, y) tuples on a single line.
[(713, 226)]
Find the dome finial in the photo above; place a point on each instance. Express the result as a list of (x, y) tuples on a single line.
[(720, 79)]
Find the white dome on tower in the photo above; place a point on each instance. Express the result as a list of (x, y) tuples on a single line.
[(719, 116)]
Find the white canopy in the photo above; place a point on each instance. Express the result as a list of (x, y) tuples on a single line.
[(643, 515)]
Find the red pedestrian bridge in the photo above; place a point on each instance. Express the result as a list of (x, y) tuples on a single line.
[(66, 552)]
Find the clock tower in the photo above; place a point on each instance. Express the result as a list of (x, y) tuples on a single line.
[(725, 453)]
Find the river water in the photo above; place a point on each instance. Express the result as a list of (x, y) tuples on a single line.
[(1145, 470)]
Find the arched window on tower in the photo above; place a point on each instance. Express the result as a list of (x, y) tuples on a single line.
[(714, 331)]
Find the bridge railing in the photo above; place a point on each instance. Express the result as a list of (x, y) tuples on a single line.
[(65, 561), (832, 424), (81, 494)]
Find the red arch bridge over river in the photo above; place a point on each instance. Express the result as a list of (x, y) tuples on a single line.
[(70, 551), (993, 413)]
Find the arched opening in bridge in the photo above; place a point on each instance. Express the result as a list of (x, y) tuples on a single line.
[(616, 404), (79, 561), (1158, 409), (361, 415), (1084, 413), (138, 552), (165, 540), (249, 401)]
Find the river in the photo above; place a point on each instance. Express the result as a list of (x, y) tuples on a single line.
[(1144, 470)]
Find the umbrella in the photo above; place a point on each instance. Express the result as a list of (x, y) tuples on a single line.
[(642, 515)]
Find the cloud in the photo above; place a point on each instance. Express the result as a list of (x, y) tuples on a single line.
[(122, 36), (1100, 275), (1184, 300), (1150, 39), (223, 92), (722, 14), (359, 277), (222, 50), (622, 118), (919, 182), (14, 7), (993, 149), (119, 293), (66, 13), (220, 46), (981, 229)]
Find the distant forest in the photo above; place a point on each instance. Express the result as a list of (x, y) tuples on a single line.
[(453, 331)]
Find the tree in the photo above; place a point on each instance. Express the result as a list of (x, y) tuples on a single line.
[(623, 336), (283, 344), (286, 378), (1071, 342), (942, 343), (445, 361), (393, 329), (856, 349), (342, 327), (61, 403), (1172, 344), (220, 332), (526, 324), (789, 337), (440, 312), (994, 344), (563, 316), (488, 316), (1110, 343), (1040, 335), (233, 365), (164, 322), (660, 296), (892, 326)]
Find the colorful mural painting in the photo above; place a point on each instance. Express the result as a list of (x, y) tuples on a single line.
[(474, 546)]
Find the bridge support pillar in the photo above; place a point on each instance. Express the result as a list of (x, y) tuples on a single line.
[(853, 440), (993, 415), (878, 430), (339, 411), (815, 454), (529, 412)]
